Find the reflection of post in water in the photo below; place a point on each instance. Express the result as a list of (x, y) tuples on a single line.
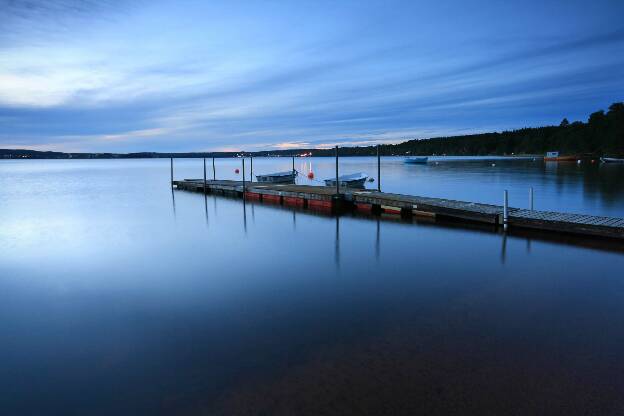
[(206, 207), (173, 202), (528, 245), (294, 220), (504, 249), (337, 247), (253, 213), (377, 241), (245, 216)]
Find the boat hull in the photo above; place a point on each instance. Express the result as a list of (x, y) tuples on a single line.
[(277, 178), (611, 160), (358, 183), (416, 160)]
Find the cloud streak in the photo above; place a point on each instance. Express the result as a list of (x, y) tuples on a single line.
[(120, 76)]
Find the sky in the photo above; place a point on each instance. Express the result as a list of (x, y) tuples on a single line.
[(159, 75)]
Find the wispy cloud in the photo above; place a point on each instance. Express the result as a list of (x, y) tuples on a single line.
[(131, 76)]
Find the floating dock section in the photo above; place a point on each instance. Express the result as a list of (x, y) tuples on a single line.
[(326, 199)]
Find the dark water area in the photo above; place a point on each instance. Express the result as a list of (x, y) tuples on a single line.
[(118, 296)]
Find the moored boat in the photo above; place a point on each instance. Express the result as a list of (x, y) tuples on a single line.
[(611, 160), (556, 157), (278, 177), (416, 160), (354, 180)]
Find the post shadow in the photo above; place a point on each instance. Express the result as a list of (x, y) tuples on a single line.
[(377, 249), (337, 244), (503, 256)]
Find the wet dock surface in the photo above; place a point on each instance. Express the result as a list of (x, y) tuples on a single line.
[(325, 197)]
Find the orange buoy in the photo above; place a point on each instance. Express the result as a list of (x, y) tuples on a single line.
[(236, 170), (310, 175)]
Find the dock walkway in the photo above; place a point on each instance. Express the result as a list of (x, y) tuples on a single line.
[(325, 198)]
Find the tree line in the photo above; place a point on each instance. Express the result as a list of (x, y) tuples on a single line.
[(601, 135)]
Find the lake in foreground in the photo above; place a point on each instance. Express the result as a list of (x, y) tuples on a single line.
[(117, 297)]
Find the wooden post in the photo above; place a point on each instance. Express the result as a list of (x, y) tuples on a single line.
[(531, 198), (171, 173), (214, 171), (378, 170), (505, 209), (250, 168), (204, 175), (243, 178), (337, 182), (293, 164)]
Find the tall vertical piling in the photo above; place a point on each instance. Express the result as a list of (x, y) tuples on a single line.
[(171, 182), (505, 209), (337, 181), (378, 170), (244, 187)]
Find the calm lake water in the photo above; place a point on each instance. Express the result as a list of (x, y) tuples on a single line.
[(119, 297)]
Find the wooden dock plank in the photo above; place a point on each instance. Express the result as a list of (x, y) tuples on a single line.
[(409, 204)]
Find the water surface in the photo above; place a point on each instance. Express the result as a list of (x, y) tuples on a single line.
[(118, 296)]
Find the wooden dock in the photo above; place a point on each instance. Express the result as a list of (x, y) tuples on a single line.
[(326, 199)]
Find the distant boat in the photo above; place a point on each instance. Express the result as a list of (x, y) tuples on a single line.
[(354, 180), (555, 157), (278, 177), (416, 160), (611, 160)]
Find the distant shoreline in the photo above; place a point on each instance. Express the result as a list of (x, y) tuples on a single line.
[(601, 135), (87, 156)]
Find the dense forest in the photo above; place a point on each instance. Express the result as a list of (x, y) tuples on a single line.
[(602, 134)]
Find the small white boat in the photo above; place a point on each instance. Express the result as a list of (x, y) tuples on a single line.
[(611, 160), (354, 180), (278, 177), (416, 160)]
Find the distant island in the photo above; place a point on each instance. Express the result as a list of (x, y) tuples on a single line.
[(602, 134)]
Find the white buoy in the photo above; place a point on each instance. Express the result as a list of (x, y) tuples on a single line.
[(493, 164)]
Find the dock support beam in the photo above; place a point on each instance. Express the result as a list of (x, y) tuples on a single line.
[(531, 198), (337, 182), (244, 178), (172, 173), (205, 190), (214, 171), (250, 168), (505, 209), (378, 170)]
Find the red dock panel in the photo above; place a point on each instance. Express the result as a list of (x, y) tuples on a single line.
[(272, 198), (391, 210), (362, 207), (253, 195), (320, 205), (292, 201), (317, 203)]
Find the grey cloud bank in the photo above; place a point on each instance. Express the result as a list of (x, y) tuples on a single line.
[(189, 76)]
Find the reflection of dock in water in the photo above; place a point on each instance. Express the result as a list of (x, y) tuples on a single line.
[(322, 198)]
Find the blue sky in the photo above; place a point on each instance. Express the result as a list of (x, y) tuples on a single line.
[(124, 76)]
